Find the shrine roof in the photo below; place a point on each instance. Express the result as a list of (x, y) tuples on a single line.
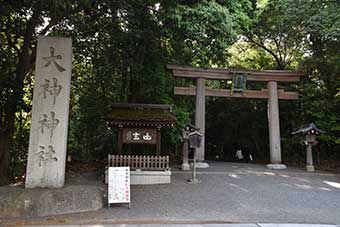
[(307, 129), (142, 115)]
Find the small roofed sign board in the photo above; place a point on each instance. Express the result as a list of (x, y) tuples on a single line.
[(119, 185), (139, 135)]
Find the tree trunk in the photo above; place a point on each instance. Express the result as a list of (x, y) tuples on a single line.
[(11, 105), (6, 133), (4, 157)]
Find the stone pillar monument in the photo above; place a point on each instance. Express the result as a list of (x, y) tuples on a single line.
[(51, 95)]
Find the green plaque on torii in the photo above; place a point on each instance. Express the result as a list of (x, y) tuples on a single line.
[(239, 82)]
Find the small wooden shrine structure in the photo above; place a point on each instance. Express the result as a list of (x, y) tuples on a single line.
[(140, 123)]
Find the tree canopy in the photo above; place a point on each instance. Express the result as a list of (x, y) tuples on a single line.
[(121, 49)]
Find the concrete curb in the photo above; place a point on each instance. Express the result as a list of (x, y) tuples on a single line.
[(201, 225)]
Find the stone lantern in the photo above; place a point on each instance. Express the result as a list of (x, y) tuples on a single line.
[(193, 138), (309, 131), (186, 135)]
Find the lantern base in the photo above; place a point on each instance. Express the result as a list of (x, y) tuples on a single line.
[(276, 166), (310, 168), (200, 165), (194, 181), (185, 166)]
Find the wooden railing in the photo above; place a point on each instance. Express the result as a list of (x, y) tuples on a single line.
[(139, 162)]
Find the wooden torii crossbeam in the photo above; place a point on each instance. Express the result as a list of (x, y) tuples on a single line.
[(271, 93), (261, 94)]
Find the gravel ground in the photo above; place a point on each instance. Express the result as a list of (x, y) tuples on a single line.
[(231, 192)]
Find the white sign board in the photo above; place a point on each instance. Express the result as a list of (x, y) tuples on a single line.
[(119, 185)]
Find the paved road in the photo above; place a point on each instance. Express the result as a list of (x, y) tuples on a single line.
[(204, 225), (240, 193), (229, 193)]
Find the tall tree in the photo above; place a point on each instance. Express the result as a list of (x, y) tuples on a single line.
[(279, 31), (121, 49), (304, 35), (21, 23), (131, 42)]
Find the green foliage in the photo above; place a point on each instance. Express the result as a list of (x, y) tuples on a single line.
[(126, 49), (21, 22), (285, 38), (243, 55), (121, 49), (280, 30), (208, 28)]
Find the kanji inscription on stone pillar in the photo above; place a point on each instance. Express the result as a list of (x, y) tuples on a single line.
[(51, 95)]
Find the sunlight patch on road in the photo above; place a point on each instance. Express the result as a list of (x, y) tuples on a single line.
[(333, 184), (304, 186), (269, 173), (234, 176), (325, 189)]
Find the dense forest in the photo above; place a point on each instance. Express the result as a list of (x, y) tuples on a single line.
[(121, 49)]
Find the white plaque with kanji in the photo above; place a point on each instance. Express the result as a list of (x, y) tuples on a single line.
[(119, 185)]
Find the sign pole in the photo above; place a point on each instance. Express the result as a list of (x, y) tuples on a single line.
[(194, 180), (194, 167)]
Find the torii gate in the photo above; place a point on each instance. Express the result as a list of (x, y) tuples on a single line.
[(271, 93)]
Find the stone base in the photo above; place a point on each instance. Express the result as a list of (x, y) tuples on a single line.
[(185, 166), (310, 168), (139, 177), (20, 202), (276, 166), (193, 181), (200, 165)]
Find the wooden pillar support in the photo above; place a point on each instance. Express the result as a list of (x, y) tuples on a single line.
[(158, 142), (200, 115), (120, 141), (274, 124)]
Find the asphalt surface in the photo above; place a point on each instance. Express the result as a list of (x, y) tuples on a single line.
[(243, 193), (203, 225), (228, 193)]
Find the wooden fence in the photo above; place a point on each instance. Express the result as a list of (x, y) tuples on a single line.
[(140, 162)]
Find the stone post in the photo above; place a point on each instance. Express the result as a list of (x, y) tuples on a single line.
[(49, 124), (309, 159), (185, 155), (200, 115), (274, 124)]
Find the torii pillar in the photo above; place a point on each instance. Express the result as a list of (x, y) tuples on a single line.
[(274, 124), (200, 115), (272, 94), (273, 120)]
